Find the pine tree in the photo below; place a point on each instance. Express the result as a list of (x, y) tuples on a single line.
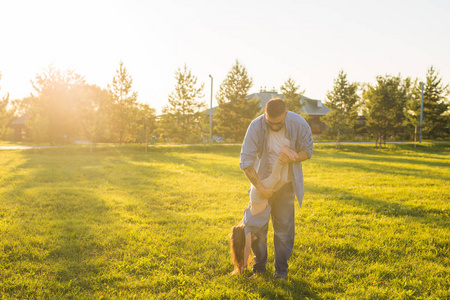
[(436, 118), (123, 107), (181, 120), (292, 96), (342, 102), (235, 112)]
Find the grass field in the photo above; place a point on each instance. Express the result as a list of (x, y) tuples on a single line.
[(120, 223)]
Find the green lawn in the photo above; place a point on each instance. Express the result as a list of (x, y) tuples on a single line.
[(120, 223)]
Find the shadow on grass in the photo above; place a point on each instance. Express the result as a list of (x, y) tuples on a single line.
[(428, 217), (198, 164), (89, 234), (91, 205), (299, 289), (383, 165), (267, 287), (398, 149), (63, 220)]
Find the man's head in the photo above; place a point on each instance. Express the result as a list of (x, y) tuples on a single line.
[(275, 113)]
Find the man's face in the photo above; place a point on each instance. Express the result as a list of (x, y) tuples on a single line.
[(275, 124)]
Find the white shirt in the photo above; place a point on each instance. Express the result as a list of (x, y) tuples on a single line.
[(276, 140)]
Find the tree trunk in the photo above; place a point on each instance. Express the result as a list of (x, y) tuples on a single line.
[(146, 142), (337, 139), (415, 135), (379, 140)]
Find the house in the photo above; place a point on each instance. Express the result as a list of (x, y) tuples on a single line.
[(313, 107), (20, 130)]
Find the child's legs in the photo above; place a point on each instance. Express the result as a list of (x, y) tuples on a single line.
[(256, 221), (258, 225), (259, 248), (257, 208)]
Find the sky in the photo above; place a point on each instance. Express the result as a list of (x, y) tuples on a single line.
[(309, 41)]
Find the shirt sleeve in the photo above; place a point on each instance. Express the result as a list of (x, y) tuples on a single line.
[(249, 150), (306, 140)]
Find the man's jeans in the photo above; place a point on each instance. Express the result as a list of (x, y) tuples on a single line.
[(283, 221)]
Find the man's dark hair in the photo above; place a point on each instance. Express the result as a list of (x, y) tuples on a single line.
[(275, 107)]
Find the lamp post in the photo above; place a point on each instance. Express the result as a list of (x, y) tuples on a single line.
[(210, 112), (421, 115)]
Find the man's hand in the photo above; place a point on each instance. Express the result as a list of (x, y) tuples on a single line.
[(254, 179), (287, 155)]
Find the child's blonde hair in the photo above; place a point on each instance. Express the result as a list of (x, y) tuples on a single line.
[(237, 243)]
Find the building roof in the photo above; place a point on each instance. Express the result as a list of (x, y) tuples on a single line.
[(264, 97), (314, 107), (311, 107), (20, 121)]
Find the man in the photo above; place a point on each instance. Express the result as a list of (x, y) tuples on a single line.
[(286, 136)]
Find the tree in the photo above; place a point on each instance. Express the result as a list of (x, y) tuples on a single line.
[(342, 102), (292, 96), (412, 105), (235, 112), (39, 126), (22, 108), (182, 116), (436, 120), (54, 105), (5, 114), (146, 122), (384, 107), (91, 112), (123, 107)]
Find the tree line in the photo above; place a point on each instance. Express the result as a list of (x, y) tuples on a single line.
[(390, 108), (64, 108)]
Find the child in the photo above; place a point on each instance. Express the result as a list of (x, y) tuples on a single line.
[(257, 214)]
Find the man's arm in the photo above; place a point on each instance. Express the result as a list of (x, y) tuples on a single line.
[(251, 175), (287, 155), (301, 156)]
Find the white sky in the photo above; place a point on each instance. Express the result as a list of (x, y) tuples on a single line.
[(308, 40)]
